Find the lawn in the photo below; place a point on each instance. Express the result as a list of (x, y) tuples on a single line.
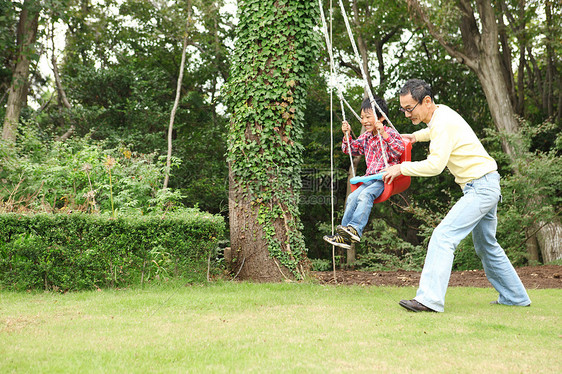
[(272, 328)]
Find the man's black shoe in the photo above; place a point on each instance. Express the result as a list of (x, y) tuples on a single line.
[(414, 306)]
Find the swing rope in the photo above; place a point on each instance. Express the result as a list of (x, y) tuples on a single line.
[(332, 80), (360, 63), (328, 40), (365, 80), (348, 136), (367, 88), (363, 74)]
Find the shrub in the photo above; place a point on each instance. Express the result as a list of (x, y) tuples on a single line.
[(382, 249), (80, 175), (84, 251), (531, 196), (320, 264)]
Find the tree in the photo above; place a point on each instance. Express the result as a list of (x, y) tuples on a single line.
[(120, 72), (479, 49), (376, 26), (17, 97), (275, 51), (8, 30), (177, 100)]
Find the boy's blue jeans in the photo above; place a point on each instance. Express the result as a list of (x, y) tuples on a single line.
[(476, 212), (359, 204)]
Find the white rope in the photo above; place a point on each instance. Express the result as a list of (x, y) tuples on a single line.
[(348, 137), (329, 40), (360, 63), (332, 79), (350, 108), (331, 127), (365, 80)]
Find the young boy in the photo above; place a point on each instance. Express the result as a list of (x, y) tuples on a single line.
[(360, 202)]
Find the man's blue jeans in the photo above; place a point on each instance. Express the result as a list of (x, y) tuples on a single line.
[(359, 204), (476, 212)]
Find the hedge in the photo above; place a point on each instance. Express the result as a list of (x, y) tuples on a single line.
[(80, 251)]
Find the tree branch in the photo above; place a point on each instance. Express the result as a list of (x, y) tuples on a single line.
[(349, 65), (459, 56), (60, 89)]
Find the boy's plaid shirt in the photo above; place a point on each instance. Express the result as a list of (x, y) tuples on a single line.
[(369, 145)]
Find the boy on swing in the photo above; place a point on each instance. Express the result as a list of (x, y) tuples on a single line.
[(360, 202)]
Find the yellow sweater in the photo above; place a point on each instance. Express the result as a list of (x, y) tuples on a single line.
[(454, 144)]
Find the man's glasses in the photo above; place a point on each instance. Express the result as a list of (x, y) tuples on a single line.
[(409, 110)]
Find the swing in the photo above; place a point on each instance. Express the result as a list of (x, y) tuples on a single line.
[(400, 183)]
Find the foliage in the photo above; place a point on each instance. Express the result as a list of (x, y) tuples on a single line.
[(79, 251), (119, 65), (381, 249), (75, 176), (320, 264), (8, 24), (119, 69), (466, 257), (275, 50), (539, 177)]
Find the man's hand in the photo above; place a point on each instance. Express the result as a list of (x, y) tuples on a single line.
[(410, 137), (390, 173)]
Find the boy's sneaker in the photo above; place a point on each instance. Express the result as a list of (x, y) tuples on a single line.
[(348, 232), (338, 241)]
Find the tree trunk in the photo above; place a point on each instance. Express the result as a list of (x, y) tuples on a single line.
[(497, 95), (63, 100), (177, 99), (27, 33), (549, 238), (532, 244), (351, 256), (266, 95), (250, 257), (550, 55)]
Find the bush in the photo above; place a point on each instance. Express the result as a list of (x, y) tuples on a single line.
[(80, 251), (382, 249), (320, 264), (81, 175), (533, 195)]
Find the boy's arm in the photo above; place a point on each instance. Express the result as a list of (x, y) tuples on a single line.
[(395, 144), (357, 148)]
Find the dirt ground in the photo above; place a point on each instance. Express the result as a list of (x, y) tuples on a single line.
[(547, 276)]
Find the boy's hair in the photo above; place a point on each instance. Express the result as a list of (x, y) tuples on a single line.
[(366, 105), (417, 88)]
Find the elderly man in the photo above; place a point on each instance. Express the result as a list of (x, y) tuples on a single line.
[(453, 144)]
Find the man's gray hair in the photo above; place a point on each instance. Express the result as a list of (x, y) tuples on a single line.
[(417, 88)]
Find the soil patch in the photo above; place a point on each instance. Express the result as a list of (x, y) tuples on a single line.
[(547, 276)]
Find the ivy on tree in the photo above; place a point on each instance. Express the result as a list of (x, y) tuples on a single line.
[(275, 51)]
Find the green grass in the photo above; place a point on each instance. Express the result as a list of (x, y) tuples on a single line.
[(302, 328)]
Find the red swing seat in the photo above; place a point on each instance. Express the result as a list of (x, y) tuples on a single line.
[(400, 183)]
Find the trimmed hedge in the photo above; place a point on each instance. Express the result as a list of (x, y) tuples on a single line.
[(80, 251)]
